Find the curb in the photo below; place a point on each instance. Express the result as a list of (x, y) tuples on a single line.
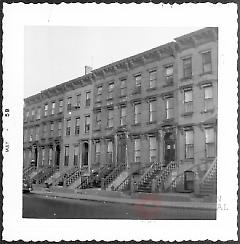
[(155, 203)]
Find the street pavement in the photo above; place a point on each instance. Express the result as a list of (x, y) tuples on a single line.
[(49, 206)]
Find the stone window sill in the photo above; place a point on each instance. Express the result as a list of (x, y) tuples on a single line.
[(151, 122), (151, 89), (187, 114), (207, 111), (206, 73)]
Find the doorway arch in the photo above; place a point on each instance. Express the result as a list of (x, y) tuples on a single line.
[(85, 149)]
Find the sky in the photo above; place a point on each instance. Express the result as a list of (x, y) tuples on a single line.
[(56, 54)]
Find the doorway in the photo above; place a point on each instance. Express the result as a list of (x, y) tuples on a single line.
[(35, 156), (169, 148), (85, 154), (121, 152), (57, 160)]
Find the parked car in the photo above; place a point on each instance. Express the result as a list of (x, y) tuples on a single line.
[(27, 186)]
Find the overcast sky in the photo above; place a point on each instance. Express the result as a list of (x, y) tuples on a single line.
[(55, 54)]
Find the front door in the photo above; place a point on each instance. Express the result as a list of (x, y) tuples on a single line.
[(57, 159), (121, 157), (169, 151), (85, 154)]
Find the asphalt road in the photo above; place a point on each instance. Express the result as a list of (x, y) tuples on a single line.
[(46, 207)]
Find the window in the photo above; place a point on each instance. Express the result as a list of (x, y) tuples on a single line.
[(210, 142), (26, 116), (110, 90), (31, 134), (189, 148), (51, 129), (38, 115), (208, 97), (50, 156), (110, 118), (169, 107), (37, 133), (59, 128), (207, 62), (60, 106), (87, 123), (152, 111), (109, 152), (68, 128), (77, 126), (152, 149), (98, 120), (44, 131), (76, 153), (188, 101), (99, 93), (152, 78), (43, 155), (187, 67), (123, 116), (88, 98), (138, 79), (137, 113), (169, 74), (25, 135), (33, 114), (78, 103), (98, 151), (53, 108), (69, 103), (66, 156), (123, 87), (137, 150), (45, 109)]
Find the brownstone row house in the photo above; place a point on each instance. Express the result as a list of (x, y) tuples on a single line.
[(147, 122)]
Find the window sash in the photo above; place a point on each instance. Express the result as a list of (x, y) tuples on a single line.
[(209, 135), (189, 137), (189, 151), (210, 150), (60, 106), (138, 79), (187, 67), (78, 100), (207, 62), (169, 71)]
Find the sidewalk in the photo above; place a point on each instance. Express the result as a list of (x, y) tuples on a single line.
[(146, 199)]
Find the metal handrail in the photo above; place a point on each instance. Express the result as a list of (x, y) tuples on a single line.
[(211, 168), (67, 173), (114, 174), (148, 173), (123, 185)]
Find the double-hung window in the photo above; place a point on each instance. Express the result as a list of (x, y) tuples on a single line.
[(210, 143), (98, 120), (51, 129), (78, 101), (44, 130), (152, 78), (137, 113), (188, 100), (60, 107), (169, 106), (110, 118), (152, 149), (87, 123), (123, 115), (53, 107), (123, 87), (69, 103), (169, 74), (88, 99), (76, 153), (59, 128), (33, 113), (208, 97), (137, 150), (187, 67), (43, 156), (77, 126), (38, 116), (110, 90), (98, 152), (207, 62), (66, 156), (50, 156), (109, 152), (45, 110), (138, 83), (31, 134), (68, 127), (37, 133), (152, 110), (99, 93), (189, 144)]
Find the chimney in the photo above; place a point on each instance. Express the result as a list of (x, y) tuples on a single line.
[(88, 69)]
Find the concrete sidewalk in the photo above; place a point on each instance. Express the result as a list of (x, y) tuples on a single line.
[(146, 199)]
